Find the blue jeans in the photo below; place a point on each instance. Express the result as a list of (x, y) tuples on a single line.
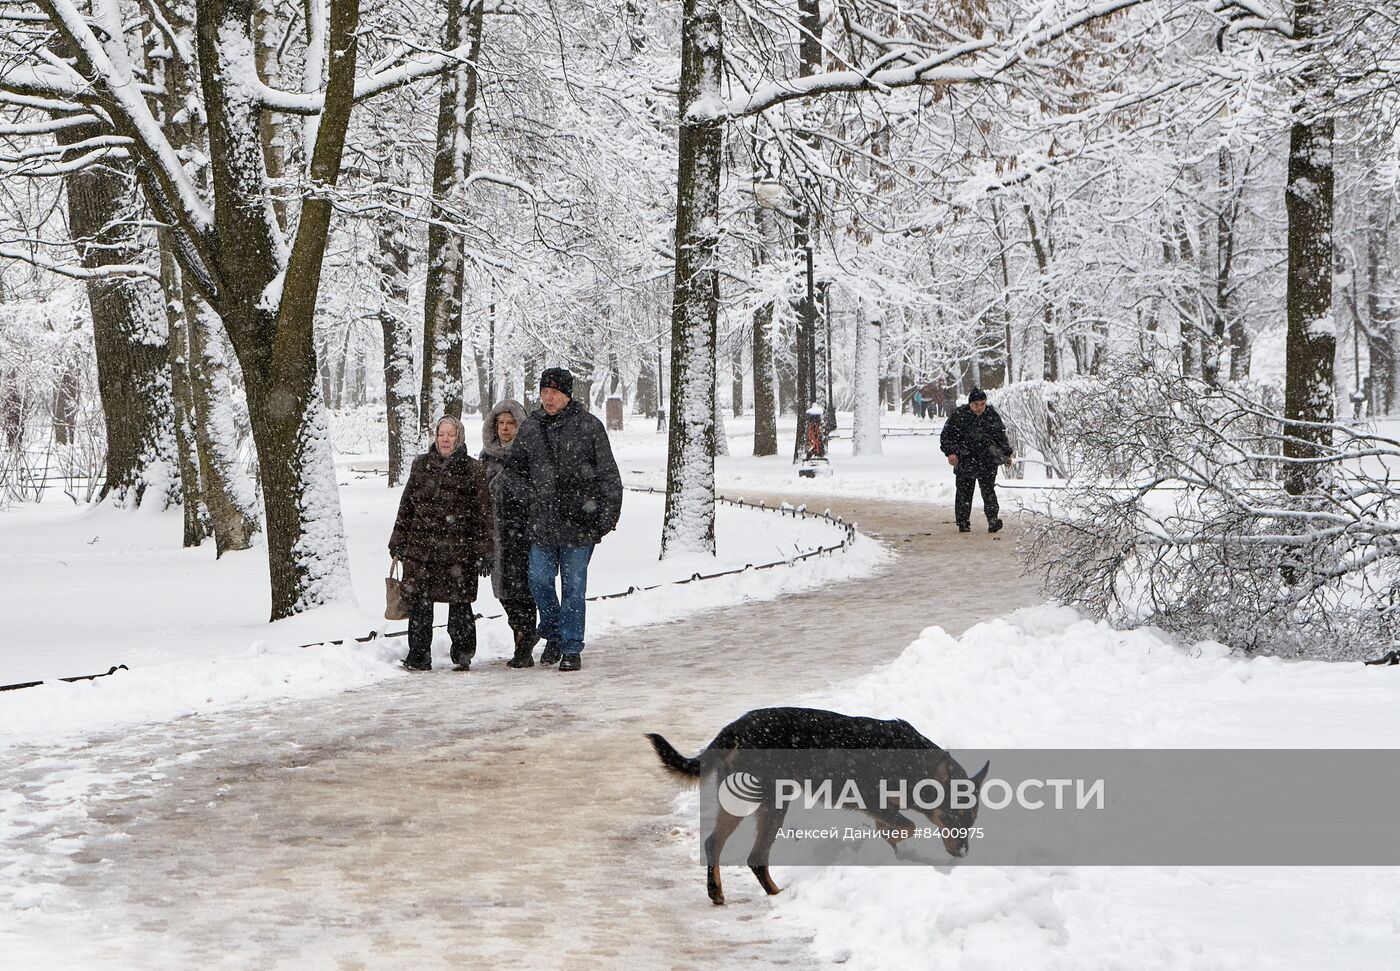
[(561, 623)]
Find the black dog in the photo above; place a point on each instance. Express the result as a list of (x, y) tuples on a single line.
[(799, 729)]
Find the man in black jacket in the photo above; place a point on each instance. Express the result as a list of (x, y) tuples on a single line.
[(563, 455), (974, 439)]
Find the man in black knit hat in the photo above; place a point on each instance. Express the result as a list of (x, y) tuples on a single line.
[(563, 454), (974, 439)]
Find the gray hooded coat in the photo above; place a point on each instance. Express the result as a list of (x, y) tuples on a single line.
[(510, 505)]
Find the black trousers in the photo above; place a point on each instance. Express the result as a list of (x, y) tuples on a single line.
[(967, 475), (461, 627), (520, 614)]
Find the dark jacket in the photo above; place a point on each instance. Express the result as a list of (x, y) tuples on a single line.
[(575, 488), (510, 510), (443, 529), (979, 441)]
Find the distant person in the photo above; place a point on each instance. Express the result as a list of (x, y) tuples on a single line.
[(933, 399), (444, 537), (510, 512), (974, 439), (918, 400), (563, 454)]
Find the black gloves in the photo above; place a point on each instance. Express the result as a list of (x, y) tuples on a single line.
[(485, 566)]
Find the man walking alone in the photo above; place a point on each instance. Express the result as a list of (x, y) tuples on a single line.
[(563, 454), (974, 439)]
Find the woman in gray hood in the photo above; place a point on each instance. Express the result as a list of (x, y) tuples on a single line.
[(510, 502)]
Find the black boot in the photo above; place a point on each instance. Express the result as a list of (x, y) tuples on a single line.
[(551, 653), (524, 650), (994, 526), (964, 527), (570, 662)]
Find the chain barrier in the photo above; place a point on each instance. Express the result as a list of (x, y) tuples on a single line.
[(797, 512)]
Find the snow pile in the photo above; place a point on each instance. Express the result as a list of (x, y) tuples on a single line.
[(1044, 678)]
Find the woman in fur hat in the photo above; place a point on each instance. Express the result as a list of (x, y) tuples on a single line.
[(510, 508), (444, 536)]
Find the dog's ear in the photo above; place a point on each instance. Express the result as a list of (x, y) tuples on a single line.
[(981, 775)]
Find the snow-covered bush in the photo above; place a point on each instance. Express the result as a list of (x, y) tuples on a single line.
[(1174, 515)]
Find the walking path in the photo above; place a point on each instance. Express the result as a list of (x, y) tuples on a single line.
[(495, 819)]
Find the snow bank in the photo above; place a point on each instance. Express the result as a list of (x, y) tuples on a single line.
[(1046, 678)]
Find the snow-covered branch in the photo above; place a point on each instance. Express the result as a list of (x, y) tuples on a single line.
[(131, 115), (1176, 514), (109, 271)]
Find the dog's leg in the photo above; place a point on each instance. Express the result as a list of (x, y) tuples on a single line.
[(770, 820), (895, 823), (725, 825)]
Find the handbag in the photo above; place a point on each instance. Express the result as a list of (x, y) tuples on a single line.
[(395, 600)]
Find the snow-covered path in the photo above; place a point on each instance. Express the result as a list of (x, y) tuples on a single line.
[(499, 818)]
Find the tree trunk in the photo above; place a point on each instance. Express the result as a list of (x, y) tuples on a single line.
[(230, 501), (1380, 309), (690, 470), (721, 435), (765, 419), (401, 408), (197, 521), (269, 308), (446, 278), (1049, 348), (804, 239), (1311, 341), (736, 375), (65, 404), (647, 398), (865, 430), (130, 334), (272, 126)]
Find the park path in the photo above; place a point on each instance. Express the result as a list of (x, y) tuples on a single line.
[(490, 820)]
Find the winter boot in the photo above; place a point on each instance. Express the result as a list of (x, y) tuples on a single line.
[(994, 526), (524, 650), (964, 527), (551, 653), (570, 662)]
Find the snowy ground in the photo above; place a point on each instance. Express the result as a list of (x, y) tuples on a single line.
[(1044, 678), (85, 589), (88, 589)]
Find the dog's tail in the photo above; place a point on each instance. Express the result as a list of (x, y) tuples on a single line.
[(675, 763)]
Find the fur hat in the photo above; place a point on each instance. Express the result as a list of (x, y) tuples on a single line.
[(491, 442), (559, 379)]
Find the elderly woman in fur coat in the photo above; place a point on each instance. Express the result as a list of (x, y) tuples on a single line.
[(444, 536), (510, 508)]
